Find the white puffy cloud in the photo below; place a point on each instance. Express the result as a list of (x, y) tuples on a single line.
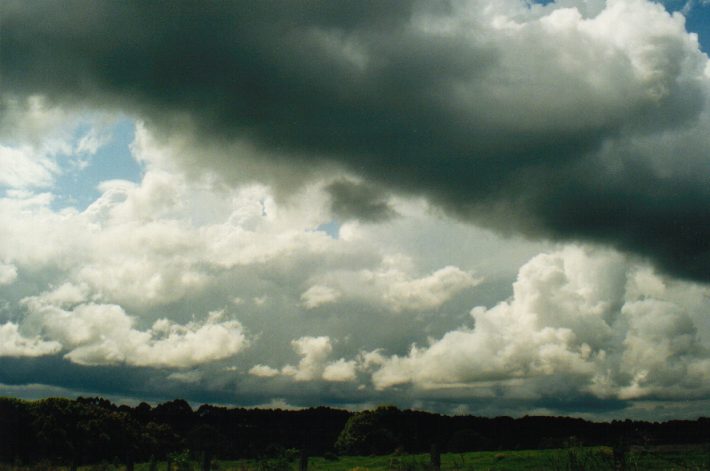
[(612, 60), (14, 344), (314, 364), (101, 334), (602, 324), (67, 294), (428, 292), (392, 285), (20, 168), (313, 351), (153, 242), (340, 371), (8, 273), (263, 371), (318, 295)]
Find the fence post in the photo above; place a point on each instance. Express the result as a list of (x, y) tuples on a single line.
[(206, 460), (303, 463), (435, 457)]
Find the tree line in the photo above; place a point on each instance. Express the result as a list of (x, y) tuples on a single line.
[(93, 430)]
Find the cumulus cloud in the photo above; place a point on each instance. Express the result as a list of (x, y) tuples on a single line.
[(392, 285), (8, 273), (171, 247), (14, 344), (314, 364), (263, 371), (340, 371), (149, 243), (313, 352), (428, 292), (522, 117), (589, 319), (155, 241), (318, 295), (103, 334)]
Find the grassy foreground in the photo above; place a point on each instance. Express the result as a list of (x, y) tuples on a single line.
[(587, 458), (568, 459)]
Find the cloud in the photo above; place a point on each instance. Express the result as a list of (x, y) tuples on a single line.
[(580, 320), (20, 168), (263, 371), (530, 119), (92, 141), (189, 377), (428, 292), (351, 200), (8, 273), (318, 295), (313, 351), (127, 284), (340, 371), (171, 247), (392, 285), (103, 334), (14, 344), (314, 365), (156, 241), (37, 139)]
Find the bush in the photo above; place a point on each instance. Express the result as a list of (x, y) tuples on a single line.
[(370, 433)]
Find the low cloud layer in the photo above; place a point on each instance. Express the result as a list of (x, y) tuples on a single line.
[(581, 120)]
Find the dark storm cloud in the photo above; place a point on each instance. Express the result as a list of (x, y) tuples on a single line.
[(486, 124), (350, 200), (56, 371)]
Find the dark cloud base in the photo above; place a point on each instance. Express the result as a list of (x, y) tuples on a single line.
[(55, 371), (356, 83), (150, 385)]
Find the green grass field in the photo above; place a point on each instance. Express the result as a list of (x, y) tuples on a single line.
[(597, 458), (568, 459)]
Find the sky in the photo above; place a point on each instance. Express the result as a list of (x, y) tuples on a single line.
[(468, 207)]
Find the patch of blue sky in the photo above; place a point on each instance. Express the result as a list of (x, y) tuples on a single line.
[(698, 21), (77, 185), (332, 228)]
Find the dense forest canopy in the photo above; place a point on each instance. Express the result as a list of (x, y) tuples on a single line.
[(89, 430)]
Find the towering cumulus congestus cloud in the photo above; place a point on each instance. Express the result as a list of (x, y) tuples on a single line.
[(585, 120)]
